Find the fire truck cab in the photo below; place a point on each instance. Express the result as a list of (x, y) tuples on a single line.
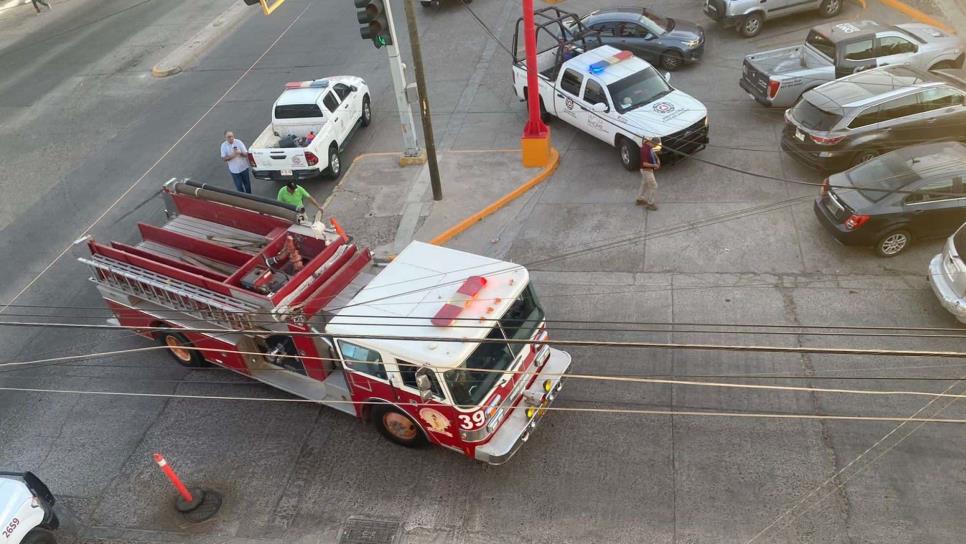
[(440, 346)]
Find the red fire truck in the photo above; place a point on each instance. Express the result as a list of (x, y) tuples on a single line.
[(419, 347)]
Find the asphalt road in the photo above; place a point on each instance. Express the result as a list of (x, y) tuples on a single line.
[(83, 123)]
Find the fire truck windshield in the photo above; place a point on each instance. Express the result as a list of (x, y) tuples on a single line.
[(472, 382)]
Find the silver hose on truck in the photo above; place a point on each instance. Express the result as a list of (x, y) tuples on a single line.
[(239, 200)]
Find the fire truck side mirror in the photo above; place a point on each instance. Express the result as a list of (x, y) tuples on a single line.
[(424, 384)]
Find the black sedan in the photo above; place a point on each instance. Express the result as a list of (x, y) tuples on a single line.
[(911, 193), (662, 41)]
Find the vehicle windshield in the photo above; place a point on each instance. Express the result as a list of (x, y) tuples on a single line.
[(822, 44), (879, 177), (655, 23), (474, 380), (638, 89), (297, 111), (812, 117)]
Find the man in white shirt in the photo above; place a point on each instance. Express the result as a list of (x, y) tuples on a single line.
[(234, 152)]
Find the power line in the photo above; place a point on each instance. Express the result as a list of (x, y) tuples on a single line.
[(574, 343), (552, 408)]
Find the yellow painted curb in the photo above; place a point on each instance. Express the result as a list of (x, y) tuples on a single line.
[(916, 14), (460, 227)]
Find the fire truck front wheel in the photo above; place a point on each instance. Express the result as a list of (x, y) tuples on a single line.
[(397, 426), (180, 348)]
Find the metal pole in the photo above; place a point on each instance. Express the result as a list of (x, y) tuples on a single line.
[(406, 120), (534, 127), (423, 99)]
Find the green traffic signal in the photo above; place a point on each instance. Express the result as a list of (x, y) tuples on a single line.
[(374, 25)]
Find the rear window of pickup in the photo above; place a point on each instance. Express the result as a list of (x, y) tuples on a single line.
[(297, 111)]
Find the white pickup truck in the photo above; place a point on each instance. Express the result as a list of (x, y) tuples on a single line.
[(311, 123), (618, 98), (26, 510)]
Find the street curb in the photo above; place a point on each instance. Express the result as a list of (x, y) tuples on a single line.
[(185, 54), (916, 14), (465, 224)]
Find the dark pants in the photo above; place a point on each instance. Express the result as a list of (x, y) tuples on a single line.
[(243, 183), (36, 7)]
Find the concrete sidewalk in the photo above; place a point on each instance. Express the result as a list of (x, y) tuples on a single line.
[(385, 206)]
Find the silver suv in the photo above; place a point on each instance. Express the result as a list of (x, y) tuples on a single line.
[(851, 120), (947, 274), (749, 16)]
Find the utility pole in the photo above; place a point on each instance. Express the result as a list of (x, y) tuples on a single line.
[(423, 99), (412, 154), (375, 16)]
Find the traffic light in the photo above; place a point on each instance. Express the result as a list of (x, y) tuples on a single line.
[(375, 24)]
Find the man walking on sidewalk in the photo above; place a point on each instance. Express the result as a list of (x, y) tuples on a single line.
[(37, 3), (649, 163), (234, 152)]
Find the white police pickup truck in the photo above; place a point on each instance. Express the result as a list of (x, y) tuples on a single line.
[(26, 510), (311, 123), (618, 98)]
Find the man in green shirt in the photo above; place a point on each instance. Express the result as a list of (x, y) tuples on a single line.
[(292, 194)]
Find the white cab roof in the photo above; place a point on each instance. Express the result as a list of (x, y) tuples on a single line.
[(405, 296), (612, 73)]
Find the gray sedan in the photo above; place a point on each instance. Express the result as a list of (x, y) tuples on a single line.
[(662, 41)]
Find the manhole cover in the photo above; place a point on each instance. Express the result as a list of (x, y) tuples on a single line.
[(369, 531)]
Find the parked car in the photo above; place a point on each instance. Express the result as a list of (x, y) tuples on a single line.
[(853, 119), (780, 76), (912, 193), (947, 274), (661, 41), (749, 16), (26, 510)]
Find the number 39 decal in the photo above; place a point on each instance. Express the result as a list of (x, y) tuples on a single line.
[(472, 421)]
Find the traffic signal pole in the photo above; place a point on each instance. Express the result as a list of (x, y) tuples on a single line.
[(423, 99), (411, 154)]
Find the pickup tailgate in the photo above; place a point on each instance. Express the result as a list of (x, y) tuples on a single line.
[(279, 158), (759, 68)]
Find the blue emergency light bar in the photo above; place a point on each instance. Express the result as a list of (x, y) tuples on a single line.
[(314, 84), (598, 67)]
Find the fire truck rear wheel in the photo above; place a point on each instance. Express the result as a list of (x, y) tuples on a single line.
[(397, 426), (39, 536), (180, 348)]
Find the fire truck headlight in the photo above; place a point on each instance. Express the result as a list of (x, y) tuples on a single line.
[(531, 411), (548, 385)]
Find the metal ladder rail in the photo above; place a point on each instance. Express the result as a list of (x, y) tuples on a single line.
[(174, 294)]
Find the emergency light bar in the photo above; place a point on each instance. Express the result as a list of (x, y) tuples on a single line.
[(314, 84), (451, 310), (598, 67)]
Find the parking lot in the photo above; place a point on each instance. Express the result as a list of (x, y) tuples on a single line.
[(732, 256)]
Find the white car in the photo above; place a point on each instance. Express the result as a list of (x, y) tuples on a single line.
[(26, 510), (618, 98), (311, 123)]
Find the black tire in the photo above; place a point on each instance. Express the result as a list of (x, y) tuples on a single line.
[(334, 171), (545, 115), (864, 156), (177, 345), (893, 243), (366, 111), (39, 536), (630, 154), (830, 8), (671, 60), (398, 427), (750, 25)]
